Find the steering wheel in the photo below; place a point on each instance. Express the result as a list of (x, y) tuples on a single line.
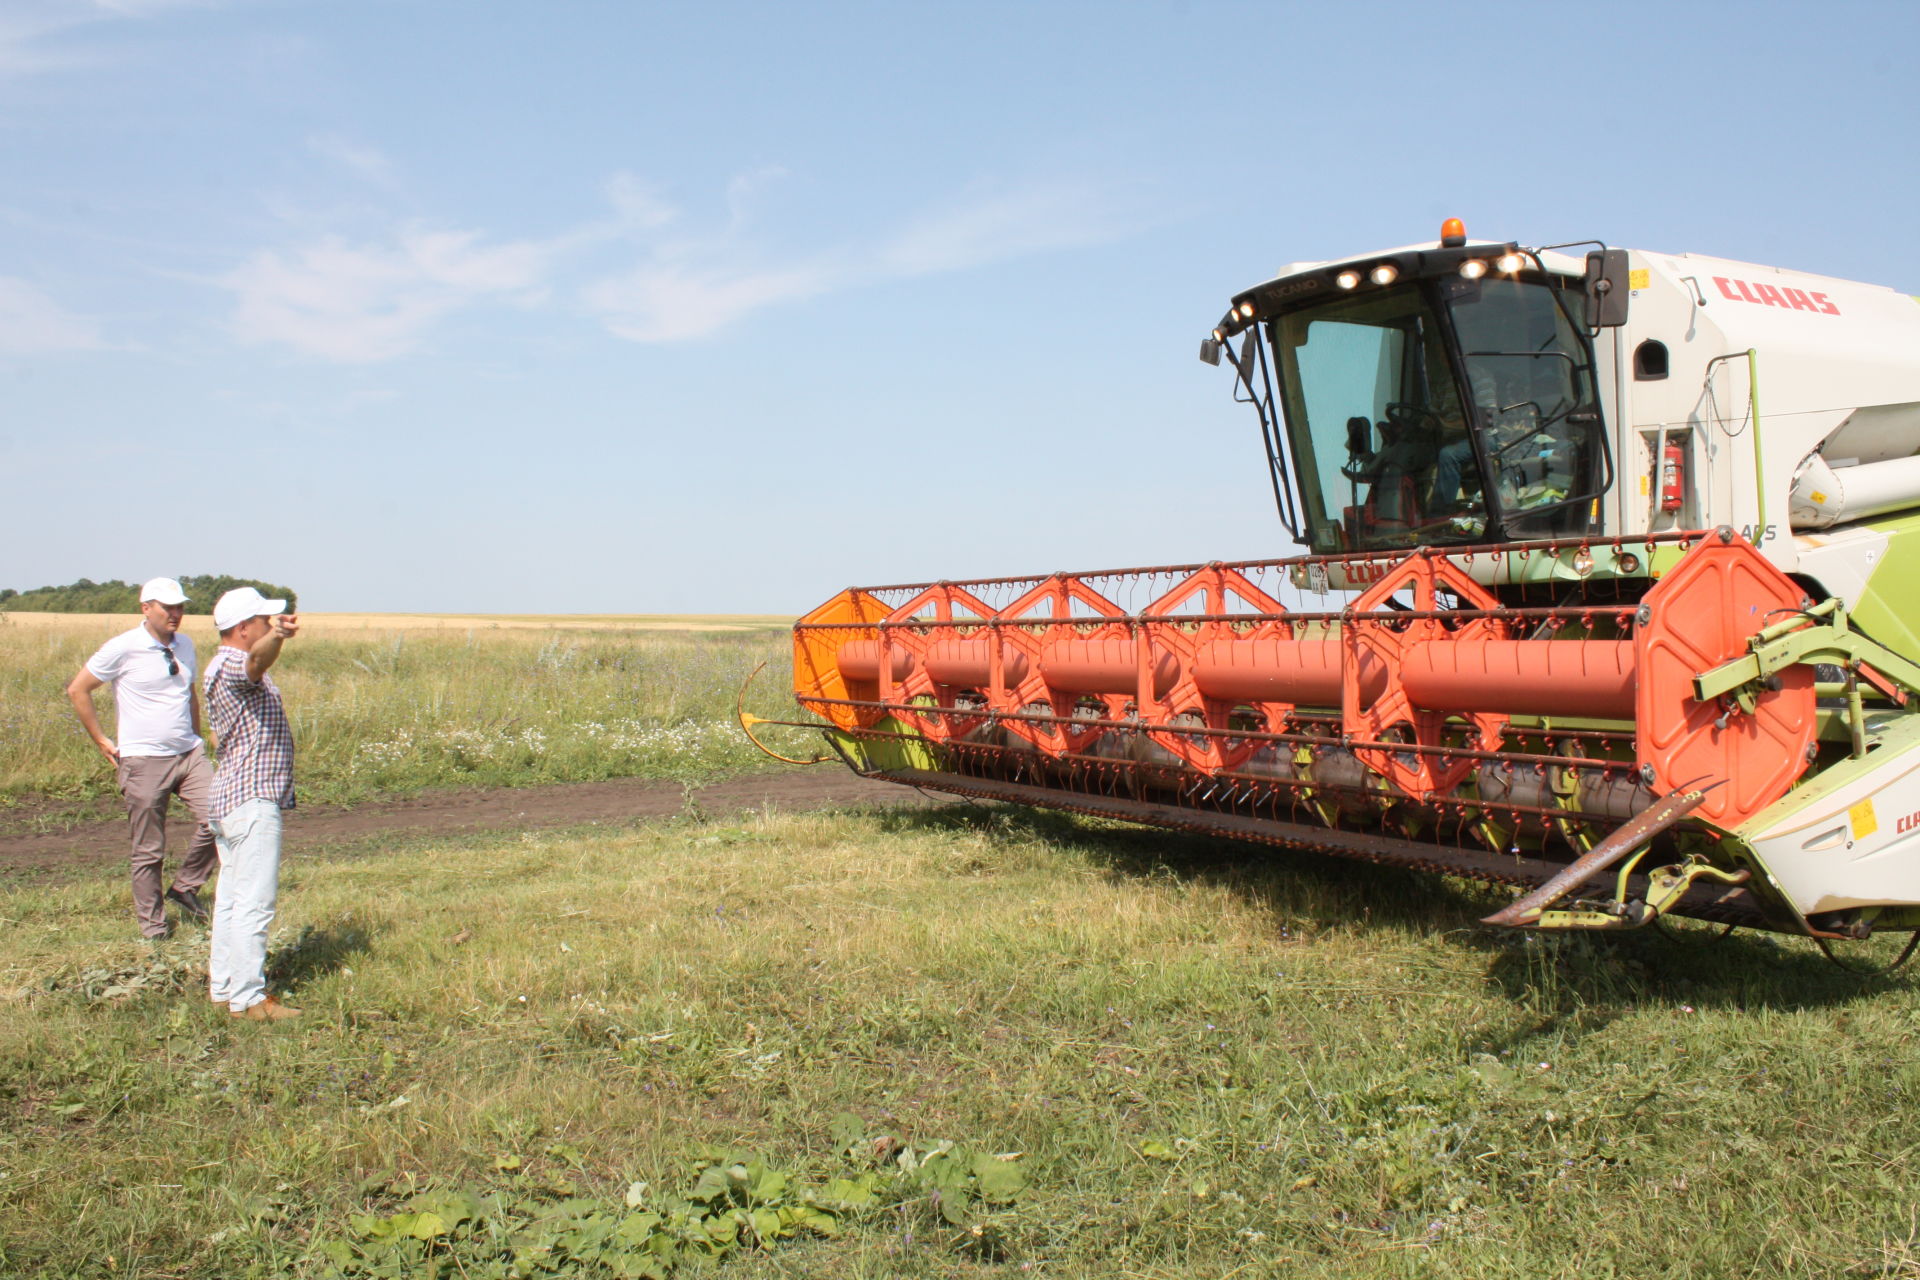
[(1406, 416), (1542, 427)]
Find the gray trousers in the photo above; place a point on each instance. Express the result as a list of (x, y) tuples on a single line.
[(148, 783), (249, 841)]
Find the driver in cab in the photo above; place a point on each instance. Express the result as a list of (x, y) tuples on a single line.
[(1509, 417)]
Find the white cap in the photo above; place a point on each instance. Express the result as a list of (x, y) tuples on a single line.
[(242, 603), (162, 591)]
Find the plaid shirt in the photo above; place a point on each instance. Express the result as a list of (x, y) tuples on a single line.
[(255, 741)]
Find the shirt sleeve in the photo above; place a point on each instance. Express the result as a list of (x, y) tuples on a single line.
[(106, 662), (232, 672)]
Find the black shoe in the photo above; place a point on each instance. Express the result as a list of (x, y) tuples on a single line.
[(189, 902)]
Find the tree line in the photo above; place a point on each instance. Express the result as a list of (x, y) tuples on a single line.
[(88, 596)]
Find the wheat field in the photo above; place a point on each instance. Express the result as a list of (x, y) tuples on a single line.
[(391, 703)]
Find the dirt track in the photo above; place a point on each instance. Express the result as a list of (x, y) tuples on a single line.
[(92, 843)]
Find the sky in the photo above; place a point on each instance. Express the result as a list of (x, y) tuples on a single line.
[(573, 306)]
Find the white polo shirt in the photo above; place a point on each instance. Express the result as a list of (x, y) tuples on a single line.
[(155, 709)]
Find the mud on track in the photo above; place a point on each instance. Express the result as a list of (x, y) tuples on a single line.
[(40, 857)]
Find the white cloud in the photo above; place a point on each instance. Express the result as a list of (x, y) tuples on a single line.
[(745, 187), (33, 324), (358, 303), (147, 8), (694, 288), (668, 303), (364, 301), (638, 202), (24, 38), (995, 226), (30, 30), (369, 163)]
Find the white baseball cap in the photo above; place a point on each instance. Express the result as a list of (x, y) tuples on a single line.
[(242, 603), (162, 591)]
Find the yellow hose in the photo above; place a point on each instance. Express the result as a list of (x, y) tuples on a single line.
[(748, 720)]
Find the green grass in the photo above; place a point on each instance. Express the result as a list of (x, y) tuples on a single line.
[(1212, 1061), (378, 713)]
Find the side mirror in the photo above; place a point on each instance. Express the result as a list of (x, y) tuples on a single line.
[(1359, 436), (1607, 290), (1210, 351)]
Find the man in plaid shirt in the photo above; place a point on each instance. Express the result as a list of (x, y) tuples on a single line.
[(253, 784)]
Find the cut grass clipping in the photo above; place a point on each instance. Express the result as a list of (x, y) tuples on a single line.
[(950, 1042)]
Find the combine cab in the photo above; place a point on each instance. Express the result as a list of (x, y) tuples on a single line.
[(1578, 615)]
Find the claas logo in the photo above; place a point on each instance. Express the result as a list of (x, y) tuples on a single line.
[(1767, 296)]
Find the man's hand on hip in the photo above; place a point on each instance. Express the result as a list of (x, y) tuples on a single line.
[(80, 693)]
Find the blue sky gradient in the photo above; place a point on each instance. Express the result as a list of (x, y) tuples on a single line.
[(625, 307)]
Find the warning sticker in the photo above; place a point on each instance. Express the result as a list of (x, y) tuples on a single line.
[(1864, 823), (1637, 279)]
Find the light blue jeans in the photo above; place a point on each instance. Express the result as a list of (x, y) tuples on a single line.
[(249, 843)]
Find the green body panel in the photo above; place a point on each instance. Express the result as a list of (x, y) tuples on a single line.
[(1556, 562), (1667, 557), (887, 753), (1544, 565), (1889, 608)]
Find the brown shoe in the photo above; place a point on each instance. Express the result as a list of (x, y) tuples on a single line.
[(268, 1010), (189, 903)]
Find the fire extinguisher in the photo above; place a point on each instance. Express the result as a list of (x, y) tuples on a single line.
[(1673, 477)]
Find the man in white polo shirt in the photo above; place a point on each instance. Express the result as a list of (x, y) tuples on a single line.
[(159, 753)]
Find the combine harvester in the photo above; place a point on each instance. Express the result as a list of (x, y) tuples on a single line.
[(1611, 597)]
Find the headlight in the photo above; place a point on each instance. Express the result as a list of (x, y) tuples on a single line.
[(1473, 268), (1385, 273), (1347, 279)]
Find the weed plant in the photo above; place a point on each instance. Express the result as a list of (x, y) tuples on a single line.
[(1203, 1060), (379, 713)]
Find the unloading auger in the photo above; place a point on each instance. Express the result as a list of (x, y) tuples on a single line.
[(1550, 631)]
